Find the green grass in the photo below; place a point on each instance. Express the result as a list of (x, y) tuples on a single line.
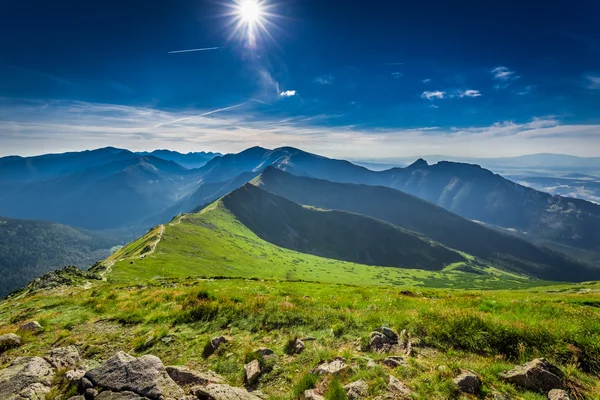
[(484, 331), (213, 243)]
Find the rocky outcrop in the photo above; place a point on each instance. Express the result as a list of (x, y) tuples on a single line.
[(9, 341), (26, 378), (357, 390), (386, 340), (222, 392), (332, 368), (252, 372), (558, 394), (184, 376), (144, 376), (64, 357), (538, 375), (468, 382), (31, 327)]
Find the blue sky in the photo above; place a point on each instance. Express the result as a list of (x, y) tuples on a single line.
[(345, 79)]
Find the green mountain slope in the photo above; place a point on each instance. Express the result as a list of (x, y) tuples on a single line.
[(417, 215), (29, 249), (334, 234), (215, 243)]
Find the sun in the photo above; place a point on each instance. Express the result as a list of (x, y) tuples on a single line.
[(250, 11), (251, 20)]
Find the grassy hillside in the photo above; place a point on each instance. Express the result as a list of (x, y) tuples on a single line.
[(29, 249), (334, 234), (432, 221), (214, 243), (486, 332)]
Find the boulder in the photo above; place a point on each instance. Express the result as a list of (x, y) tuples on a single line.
[(64, 357), (332, 368), (380, 342), (357, 390), (312, 395), (9, 341), (558, 394), (32, 326), (538, 375), (215, 391), (468, 382), (145, 376), (26, 378), (397, 389), (184, 376), (395, 362), (252, 372), (108, 395)]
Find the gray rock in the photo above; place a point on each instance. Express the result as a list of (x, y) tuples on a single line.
[(264, 351), (222, 392), (395, 362), (32, 326), (84, 384), (9, 341), (537, 375), (108, 395), (184, 376), (468, 382), (145, 376), (334, 367), (357, 390), (299, 346), (398, 389), (90, 394), (76, 398), (26, 378), (558, 394), (252, 372), (389, 333), (312, 395), (64, 357)]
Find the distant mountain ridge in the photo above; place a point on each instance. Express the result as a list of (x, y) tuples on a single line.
[(189, 160)]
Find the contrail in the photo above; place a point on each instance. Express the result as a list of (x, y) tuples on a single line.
[(201, 115), (187, 51)]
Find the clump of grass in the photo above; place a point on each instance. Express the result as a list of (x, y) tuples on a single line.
[(307, 381), (338, 330), (335, 391)]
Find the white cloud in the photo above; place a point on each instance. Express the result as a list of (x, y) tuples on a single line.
[(503, 73), (437, 94), (528, 89), (397, 75), (288, 93), (325, 79), (34, 127), (426, 80), (593, 82), (468, 93)]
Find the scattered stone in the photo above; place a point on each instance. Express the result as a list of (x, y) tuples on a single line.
[(395, 362), (63, 357), (370, 362), (9, 341), (312, 395), (76, 398), (252, 372), (222, 392), (26, 378), (264, 352), (398, 389), (32, 326), (90, 394), (380, 342), (334, 367), (145, 376), (218, 341), (357, 390), (74, 376), (108, 395), (184, 376), (84, 384), (558, 394), (299, 346), (468, 382), (537, 375)]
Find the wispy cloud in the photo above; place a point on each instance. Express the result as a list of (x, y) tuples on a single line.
[(503, 73), (430, 95), (426, 80), (54, 126), (191, 50), (288, 93), (397, 75), (592, 82), (324, 79), (390, 64), (468, 93), (526, 90)]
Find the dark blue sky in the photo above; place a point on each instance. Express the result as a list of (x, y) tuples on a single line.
[(343, 78)]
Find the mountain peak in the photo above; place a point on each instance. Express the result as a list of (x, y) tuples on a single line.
[(420, 163)]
